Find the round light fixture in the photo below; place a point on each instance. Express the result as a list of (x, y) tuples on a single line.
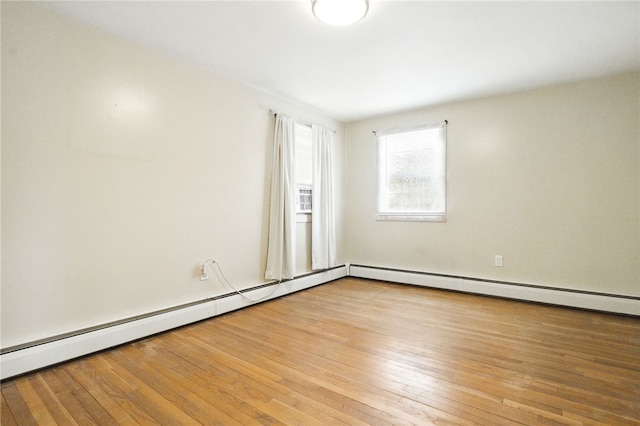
[(339, 12)]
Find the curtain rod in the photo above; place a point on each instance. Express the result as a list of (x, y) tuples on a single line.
[(304, 123)]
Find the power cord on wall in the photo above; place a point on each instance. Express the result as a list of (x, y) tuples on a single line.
[(205, 276)]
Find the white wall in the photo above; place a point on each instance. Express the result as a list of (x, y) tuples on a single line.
[(547, 178), (123, 170)]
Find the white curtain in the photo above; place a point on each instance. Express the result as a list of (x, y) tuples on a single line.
[(323, 234), (282, 212)]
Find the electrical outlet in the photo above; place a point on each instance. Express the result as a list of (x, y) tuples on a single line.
[(498, 260), (203, 275)]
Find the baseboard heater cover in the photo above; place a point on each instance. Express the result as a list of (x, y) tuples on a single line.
[(29, 357), (619, 304)]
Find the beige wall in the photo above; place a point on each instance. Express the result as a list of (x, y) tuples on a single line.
[(123, 170), (546, 178)]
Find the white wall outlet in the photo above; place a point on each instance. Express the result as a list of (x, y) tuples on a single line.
[(498, 260), (203, 274)]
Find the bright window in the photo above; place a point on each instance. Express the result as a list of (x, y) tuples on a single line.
[(412, 174), (303, 169)]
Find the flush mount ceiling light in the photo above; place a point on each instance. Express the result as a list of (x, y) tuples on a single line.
[(339, 12)]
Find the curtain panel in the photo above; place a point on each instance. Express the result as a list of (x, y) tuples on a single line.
[(323, 233), (282, 209)]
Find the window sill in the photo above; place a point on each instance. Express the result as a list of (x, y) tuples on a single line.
[(399, 217)]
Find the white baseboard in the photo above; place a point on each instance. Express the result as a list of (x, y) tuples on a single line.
[(556, 296), (41, 355)]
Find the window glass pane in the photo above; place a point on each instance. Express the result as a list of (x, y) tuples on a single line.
[(303, 154), (303, 168), (412, 172)]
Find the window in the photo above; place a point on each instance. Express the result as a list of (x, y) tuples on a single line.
[(303, 171), (412, 174)]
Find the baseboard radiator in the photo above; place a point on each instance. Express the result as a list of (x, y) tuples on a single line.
[(612, 303), (35, 355)]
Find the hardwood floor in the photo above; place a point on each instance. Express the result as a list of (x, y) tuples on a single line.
[(354, 352)]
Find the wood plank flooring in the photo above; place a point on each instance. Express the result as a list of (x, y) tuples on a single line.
[(354, 352)]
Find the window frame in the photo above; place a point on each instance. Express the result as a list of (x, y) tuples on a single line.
[(419, 216)]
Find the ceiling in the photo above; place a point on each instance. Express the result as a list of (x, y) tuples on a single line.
[(403, 55)]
